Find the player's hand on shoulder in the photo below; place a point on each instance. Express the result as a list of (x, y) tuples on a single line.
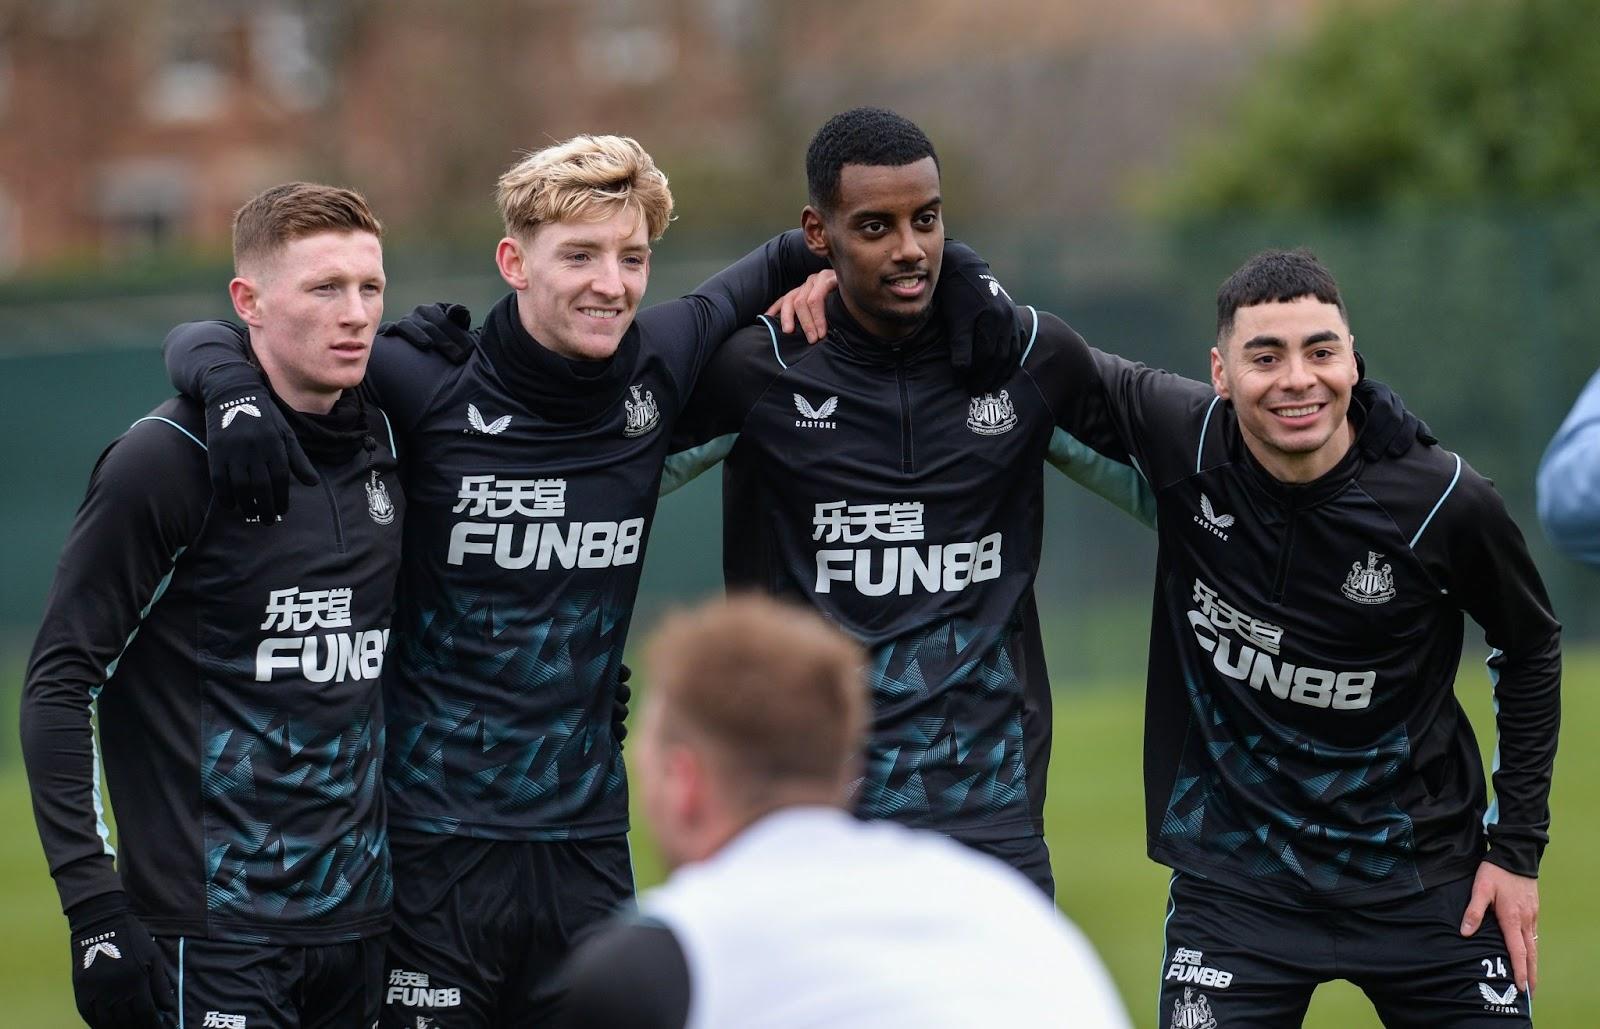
[(980, 321), (118, 978), (445, 329), (249, 445), (804, 305), (1391, 430)]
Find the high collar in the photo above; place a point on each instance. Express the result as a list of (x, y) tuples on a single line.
[(847, 336), (331, 438), (1325, 486), (335, 437), (557, 388)]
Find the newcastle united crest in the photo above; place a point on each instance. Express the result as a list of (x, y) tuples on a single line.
[(1369, 585), (990, 415)]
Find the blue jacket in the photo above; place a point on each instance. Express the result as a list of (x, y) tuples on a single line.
[(1569, 480)]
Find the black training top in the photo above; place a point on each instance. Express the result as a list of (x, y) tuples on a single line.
[(533, 482), (863, 480), (1302, 736), (236, 668)]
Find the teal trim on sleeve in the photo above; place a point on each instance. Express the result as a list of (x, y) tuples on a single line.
[(175, 425), (685, 465), (1200, 448), (773, 332), (1033, 337), (1442, 498), (394, 450), (1122, 484), (1492, 815), (111, 669)]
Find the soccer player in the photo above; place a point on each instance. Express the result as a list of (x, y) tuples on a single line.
[(234, 671), (899, 502), (785, 911), (1569, 480), (1309, 775), (533, 471)]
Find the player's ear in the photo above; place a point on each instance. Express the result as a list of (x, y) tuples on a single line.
[(812, 224), (246, 297), (512, 262), (1219, 382)]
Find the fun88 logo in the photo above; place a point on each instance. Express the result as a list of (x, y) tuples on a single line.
[(411, 989)]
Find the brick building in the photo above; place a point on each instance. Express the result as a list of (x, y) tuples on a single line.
[(132, 125)]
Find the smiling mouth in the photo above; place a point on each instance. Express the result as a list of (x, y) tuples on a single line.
[(910, 284), (1300, 411), (599, 312)]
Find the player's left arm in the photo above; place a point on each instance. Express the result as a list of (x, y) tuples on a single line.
[(710, 423), (1090, 455), (1493, 579), (732, 298)]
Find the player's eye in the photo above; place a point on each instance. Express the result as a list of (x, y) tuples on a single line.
[(928, 219)]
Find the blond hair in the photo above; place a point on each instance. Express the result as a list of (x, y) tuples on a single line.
[(282, 214), (586, 178), (776, 694)]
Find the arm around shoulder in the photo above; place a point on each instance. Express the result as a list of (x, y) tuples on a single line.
[(203, 356)]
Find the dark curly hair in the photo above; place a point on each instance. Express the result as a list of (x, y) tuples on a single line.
[(862, 135)]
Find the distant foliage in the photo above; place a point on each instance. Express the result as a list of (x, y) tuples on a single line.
[(1411, 104)]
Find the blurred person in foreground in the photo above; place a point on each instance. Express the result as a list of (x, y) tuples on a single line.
[(1569, 480), (533, 457), (233, 669), (1310, 777), (783, 910)]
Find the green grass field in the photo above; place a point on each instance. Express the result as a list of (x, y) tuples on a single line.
[(1096, 837)]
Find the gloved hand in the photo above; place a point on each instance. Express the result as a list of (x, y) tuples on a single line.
[(980, 321), (251, 449), (1390, 430), (619, 704), (118, 977), (445, 328)]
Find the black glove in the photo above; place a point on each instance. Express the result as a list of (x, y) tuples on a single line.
[(445, 328), (619, 704), (1390, 430), (251, 448), (980, 321), (118, 977)]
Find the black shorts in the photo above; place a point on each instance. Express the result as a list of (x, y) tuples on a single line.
[(482, 926), (1027, 854), (1234, 961), (223, 985)]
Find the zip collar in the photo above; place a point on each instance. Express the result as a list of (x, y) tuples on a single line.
[(1301, 495), (554, 387), (847, 338)]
